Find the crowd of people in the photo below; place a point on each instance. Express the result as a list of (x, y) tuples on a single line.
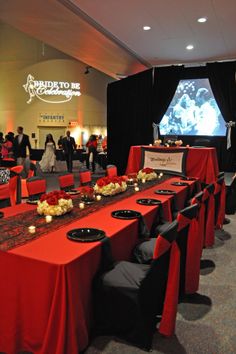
[(12, 146)]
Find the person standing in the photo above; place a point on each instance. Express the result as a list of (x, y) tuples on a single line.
[(92, 152), (69, 147), (20, 143), (48, 160)]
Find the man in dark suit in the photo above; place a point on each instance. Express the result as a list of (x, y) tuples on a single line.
[(20, 143), (69, 147)]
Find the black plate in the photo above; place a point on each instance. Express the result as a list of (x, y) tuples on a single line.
[(34, 202), (180, 184), (73, 192), (125, 214), (188, 179), (148, 201), (86, 235), (165, 191), (87, 200), (1, 214)]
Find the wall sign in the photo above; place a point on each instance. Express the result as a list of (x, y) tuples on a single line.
[(172, 161), (51, 91)]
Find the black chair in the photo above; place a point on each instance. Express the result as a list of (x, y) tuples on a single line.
[(219, 195), (230, 204), (129, 297), (190, 245)]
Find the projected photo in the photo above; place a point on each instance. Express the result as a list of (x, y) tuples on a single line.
[(193, 111)]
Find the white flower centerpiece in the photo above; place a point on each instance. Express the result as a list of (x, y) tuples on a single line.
[(110, 185), (147, 174), (55, 203)]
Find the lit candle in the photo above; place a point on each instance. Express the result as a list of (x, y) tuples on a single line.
[(135, 184), (150, 144), (161, 174), (81, 205), (136, 189), (48, 218), (143, 180), (98, 197), (32, 229), (187, 146)]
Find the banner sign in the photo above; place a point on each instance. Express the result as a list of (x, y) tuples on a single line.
[(45, 90), (171, 161)]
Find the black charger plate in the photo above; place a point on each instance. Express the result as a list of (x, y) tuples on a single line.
[(180, 184), (148, 201), (86, 235), (165, 191), (34, 202), (125, 214), (188, 179), (73, 192)]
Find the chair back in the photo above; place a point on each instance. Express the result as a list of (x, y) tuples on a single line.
[(4, 195), (17, 169), (159, 289), (66, 182), (209, 200), (220, 196), (36, 186), (111, 170), (85, 177), (190, 245)]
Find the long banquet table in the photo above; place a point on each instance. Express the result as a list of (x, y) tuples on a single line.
[(201, 162), (45, 285)]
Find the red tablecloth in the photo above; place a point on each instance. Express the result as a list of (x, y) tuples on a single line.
[(45, 285), (201, 162)]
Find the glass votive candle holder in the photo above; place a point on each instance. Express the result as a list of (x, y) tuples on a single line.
[(48, 218), (81, 205), (136, 189), (143, 180), (98, 197), (135, 184), (32, 229)]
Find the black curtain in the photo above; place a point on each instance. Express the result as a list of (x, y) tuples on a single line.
[(222, 80), (166, 80), (129, 119)]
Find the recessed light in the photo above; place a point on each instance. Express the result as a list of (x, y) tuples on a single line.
[(190, 47), (202, 19), (146, 28)]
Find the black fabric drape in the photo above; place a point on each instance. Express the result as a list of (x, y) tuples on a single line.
[(129, 120), (166, 80), (223, 84)]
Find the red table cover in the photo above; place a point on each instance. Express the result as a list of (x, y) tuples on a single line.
[(201, 162), (45, 285)]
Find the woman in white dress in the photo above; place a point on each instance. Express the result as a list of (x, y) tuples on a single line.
[(48, 161)]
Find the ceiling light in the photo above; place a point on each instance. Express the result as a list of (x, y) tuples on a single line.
[(146, 28), (190, 47), (202, 19)]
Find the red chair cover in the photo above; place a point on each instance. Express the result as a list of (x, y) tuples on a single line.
[(194, 249), (66, 180), (37, 186), (13, 189), (168, 319), (4, 191), (111, 170), (17, 169), (85, 177)]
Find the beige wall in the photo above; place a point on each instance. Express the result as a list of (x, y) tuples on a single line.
[(22, 55)]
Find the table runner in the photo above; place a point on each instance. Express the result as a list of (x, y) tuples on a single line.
[(14, 229)]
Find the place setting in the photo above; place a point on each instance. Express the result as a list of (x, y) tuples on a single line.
[(165, 192), (86, 234), (148, 201), (179, 184), (126, 214)]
